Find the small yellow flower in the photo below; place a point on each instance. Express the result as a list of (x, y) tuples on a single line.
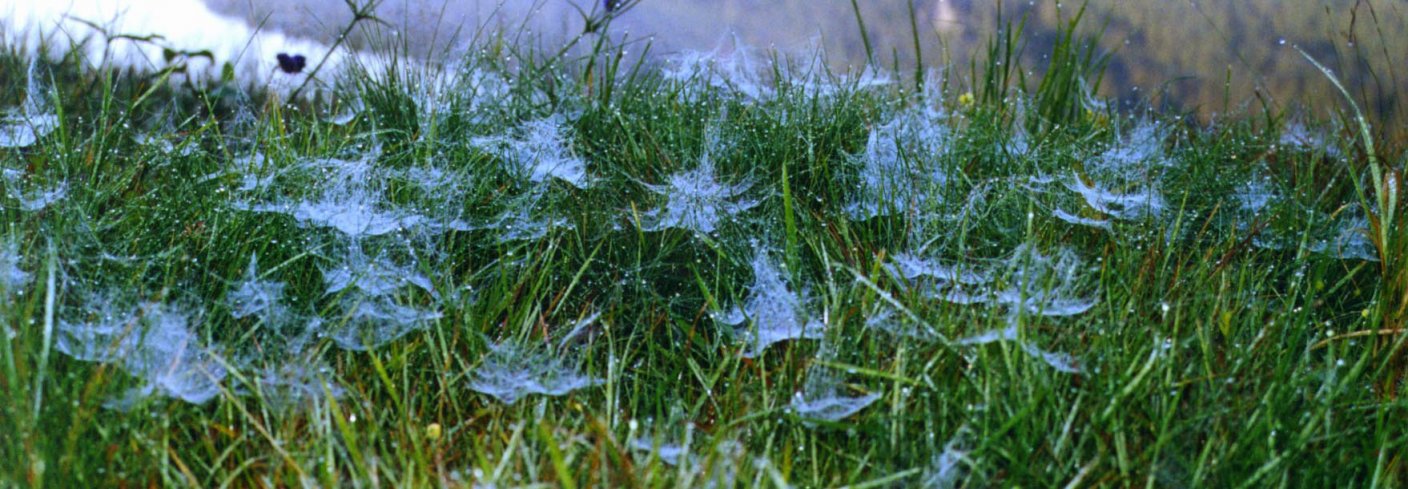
[(1099, 118), (433, 431), (966, 99)]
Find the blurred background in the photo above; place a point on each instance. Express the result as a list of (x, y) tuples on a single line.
[(1205, 57)]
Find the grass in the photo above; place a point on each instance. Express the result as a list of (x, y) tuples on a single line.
[(1226, 343)]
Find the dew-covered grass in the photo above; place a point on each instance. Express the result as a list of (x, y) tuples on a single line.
[(706, 269)]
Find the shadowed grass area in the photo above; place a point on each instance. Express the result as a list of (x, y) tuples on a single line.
[(468, 280)]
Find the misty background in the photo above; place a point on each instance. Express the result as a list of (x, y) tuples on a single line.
[(1205, 57)]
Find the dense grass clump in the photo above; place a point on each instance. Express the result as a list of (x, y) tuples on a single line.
[(713, 270)]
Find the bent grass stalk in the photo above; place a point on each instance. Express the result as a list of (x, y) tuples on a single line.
[(1384, 226)]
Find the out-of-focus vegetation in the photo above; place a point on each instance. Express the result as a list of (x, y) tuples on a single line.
[(1204, 57)]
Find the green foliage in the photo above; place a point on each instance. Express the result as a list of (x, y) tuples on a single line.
[(1225, 347)]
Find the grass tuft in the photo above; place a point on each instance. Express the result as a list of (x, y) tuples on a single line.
[(579, 269)]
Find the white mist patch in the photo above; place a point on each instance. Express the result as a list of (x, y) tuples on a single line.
[(153, 343), (696, 201), (255, 297), (509, 373), (899, 166), (772, 312), (184, 27), (538, 152), (35, 118)]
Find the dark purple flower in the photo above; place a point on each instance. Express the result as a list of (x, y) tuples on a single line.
[(292, 64)]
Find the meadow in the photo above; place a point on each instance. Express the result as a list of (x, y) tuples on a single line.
[(590, 267)]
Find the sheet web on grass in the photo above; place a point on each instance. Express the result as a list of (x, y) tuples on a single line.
[(152, 342), (526, 217), (696, 201), (29, 198), (1130, 205), (510, 372), (540, 151), (824, 396), (669, 453), (354, 211), (375, 296), (295, 382), (823, 85), (885, 318), (349, 195), (948, 468), (255, 172), (1344, 234), (1297, 136), (1347, 238), (254, 297), (730, 67), (1121, 183), (1061, 362), (656, 441), (35, 118), (1026, 283), (772, 312), (900, 167), (1030, 282), (815, 80), (12, 277)]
